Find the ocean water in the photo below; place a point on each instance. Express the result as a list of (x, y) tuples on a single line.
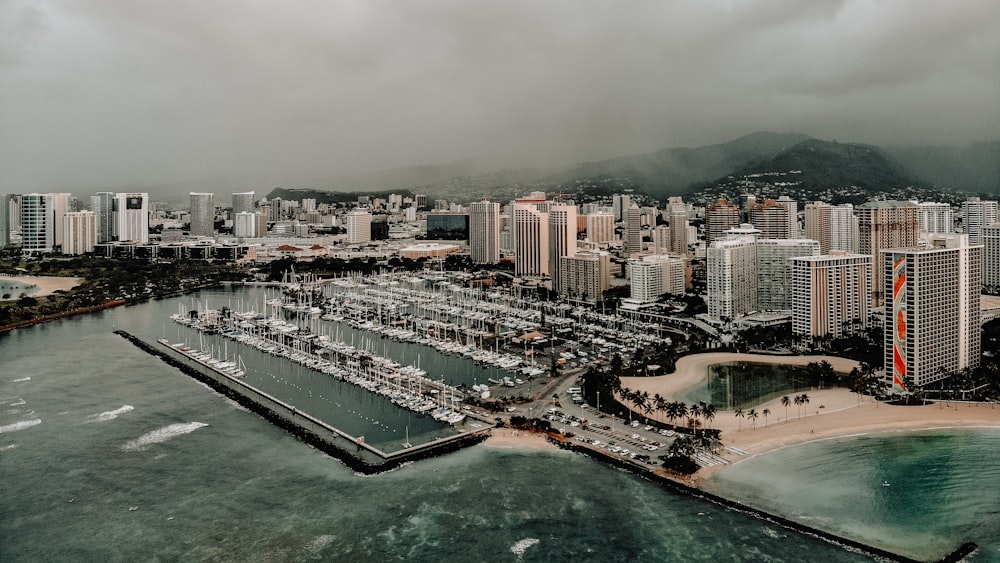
[(109, 454), (943, 488)]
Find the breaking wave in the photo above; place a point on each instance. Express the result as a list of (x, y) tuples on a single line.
[(20, 425), (521, 546), (111, 415), (161, 435)]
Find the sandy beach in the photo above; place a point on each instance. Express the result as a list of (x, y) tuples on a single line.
[(46, 285), (830, 413), (508, 438)]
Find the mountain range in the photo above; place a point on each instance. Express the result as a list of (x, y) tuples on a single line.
[(758, 159)]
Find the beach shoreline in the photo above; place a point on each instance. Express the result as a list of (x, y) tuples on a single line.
[(46, 285), (830, 414)]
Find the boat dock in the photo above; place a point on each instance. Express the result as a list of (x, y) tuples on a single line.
[(353, 451)]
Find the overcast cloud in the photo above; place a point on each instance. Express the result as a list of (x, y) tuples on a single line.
[(105, 94)]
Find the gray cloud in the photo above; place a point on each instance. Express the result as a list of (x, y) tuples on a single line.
[(123, 92)]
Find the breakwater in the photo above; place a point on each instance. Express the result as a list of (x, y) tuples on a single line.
[(351, 451), (959, 554), (61, 315)]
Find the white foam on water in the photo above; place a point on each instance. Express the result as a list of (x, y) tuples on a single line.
[(23, 379), (18, 403), (237, 406), (161, 435), (20, 425), (111, 415), (7, 447), (521, 546), (319, 542)]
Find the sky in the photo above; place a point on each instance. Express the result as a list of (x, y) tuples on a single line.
[(119, 94)]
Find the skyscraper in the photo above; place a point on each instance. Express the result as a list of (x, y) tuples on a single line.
[(656, 275), (633, 230), (359, 226), (484, 232), (585, 276), (991, 258), (719, 218), (600, 227), (932, 315), (834, 226), (771, 219), (934, 217), (619, 204), (103, 206), (830, 294), (245, 224), (60, 206), (977, 214), (202, 214), (792, 207), (4, 221), (678, 217), (131, 217), (530, 238), (37, 223), (562, 238), (883, 225), (243, 202), (731, 271), (774, 270), (79, 232)]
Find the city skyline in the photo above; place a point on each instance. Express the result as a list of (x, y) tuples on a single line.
[(291, 94)]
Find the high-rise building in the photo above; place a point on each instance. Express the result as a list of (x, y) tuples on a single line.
[(131, 215), (719, 218), (530, 238), (991, 257), (562, 238), (619, 204), (633, 230), (202, 214), (934, 217), (678, 217), (883, 225), (4, 221), (359, 226), (600, 227), (831, 294), (484, 232), (61, 204), (771, 219), (977, 214), (792, 207), (731, 271), (932, 314), (103, 206), (245, 224), (447, 225), (585, 276), (774, 270), (656, 275), (38, 231), (79, 232), (243, 202), (661, 239), (834, 226)]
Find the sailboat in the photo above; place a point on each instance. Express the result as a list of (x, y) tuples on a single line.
[(407, 443)]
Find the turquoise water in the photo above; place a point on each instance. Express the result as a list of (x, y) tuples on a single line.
[(108, 454), (15, 289), (943, 488)]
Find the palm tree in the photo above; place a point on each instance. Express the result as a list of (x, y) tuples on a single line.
[(765, 412), (805, 401), (785, 401), (708, 412), (752, 415), (739, 415), (695, 412), (681, 410), (798, 405)]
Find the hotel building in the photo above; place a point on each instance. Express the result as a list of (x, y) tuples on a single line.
[(932, 314), (830, 294)]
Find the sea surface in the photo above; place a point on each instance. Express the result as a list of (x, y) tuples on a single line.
[(109, 454)]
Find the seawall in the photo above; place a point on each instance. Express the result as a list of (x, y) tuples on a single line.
[(355, 454), (958, 554)]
